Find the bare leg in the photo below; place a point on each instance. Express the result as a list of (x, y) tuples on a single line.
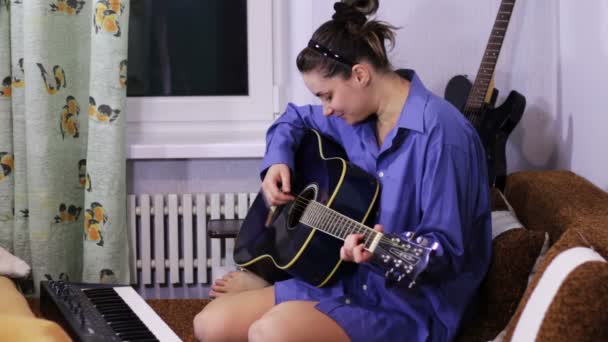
[(296, 321), (235, 282), (13, 303), (229, 317)]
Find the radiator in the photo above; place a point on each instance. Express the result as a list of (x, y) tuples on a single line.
[(168, 237)]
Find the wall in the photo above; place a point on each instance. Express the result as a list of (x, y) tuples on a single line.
[(583, 70), (554, 53)]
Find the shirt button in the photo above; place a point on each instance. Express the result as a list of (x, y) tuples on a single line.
[(364, 287), (380, 174), (347, 301)]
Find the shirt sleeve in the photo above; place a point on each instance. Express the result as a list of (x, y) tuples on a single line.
[(286, 132), (455, 207)]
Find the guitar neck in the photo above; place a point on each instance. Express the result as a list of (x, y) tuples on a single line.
[(481, 86), (329, 221)]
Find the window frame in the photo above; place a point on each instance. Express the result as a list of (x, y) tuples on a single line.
[(211, 126)]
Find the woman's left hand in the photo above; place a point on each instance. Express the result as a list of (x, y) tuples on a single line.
[(354, 250)]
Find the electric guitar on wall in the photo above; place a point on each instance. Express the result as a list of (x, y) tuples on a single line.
[(476, 101), (334, 199)]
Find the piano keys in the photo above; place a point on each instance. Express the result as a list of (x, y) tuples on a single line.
[(100, 312)]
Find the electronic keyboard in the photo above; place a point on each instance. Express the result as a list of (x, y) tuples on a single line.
[(102, 312)]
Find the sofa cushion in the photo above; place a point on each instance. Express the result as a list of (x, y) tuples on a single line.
[(515, 252), (566, 302), (552, 201)]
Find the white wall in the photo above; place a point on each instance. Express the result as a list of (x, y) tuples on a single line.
[(583, 70), (554, 54)]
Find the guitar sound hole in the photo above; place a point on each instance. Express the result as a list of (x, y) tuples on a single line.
[(300, 204)]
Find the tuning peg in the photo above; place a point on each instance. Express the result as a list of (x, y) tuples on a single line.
[(422, 241), (412, 283)]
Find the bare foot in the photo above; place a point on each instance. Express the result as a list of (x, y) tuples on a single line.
[(236, 281)]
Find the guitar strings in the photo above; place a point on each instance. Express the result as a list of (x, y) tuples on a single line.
[(303, 203)]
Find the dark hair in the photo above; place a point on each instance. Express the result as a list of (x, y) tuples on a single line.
[(349, 38)]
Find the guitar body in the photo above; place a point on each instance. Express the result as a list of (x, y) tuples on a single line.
[(495, 126), (276, 246)]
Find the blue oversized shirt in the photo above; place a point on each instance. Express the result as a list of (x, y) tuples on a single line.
[(433, 178)]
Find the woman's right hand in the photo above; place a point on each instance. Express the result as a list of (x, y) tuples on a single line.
[(276, 185)]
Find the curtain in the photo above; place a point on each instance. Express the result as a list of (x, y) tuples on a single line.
[(62, 137)]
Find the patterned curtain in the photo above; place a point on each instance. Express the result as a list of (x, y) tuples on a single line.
[(62, 174)]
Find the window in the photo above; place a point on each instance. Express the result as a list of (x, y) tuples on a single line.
[(188, 48), (198, 70)]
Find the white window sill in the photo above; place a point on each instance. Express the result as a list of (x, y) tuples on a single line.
[(196, 144)]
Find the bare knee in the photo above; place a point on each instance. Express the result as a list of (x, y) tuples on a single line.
[(228, 318), (295, 321), (200, 326), (209, 324), (266, 329)]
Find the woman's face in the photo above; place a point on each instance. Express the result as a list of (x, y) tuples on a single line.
[(346, 99)]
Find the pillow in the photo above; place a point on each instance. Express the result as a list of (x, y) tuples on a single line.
[(515, 252), (21, 328), (567, 303), (11, 266)]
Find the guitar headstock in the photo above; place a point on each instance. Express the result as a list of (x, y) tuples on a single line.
[(404, 258)]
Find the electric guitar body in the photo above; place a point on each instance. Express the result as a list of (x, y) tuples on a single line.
[(494, 126)]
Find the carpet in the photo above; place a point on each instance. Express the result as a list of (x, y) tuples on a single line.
[(177, 313)]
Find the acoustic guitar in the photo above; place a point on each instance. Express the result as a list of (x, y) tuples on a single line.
[(302, 239), (476, 101)]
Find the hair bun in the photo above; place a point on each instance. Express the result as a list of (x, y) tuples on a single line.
[(347, 13), (367, 7)]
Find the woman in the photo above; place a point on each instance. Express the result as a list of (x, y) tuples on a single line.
[(430, 164)]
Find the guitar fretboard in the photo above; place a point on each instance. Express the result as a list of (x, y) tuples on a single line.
[(476, 99), (329, 221)]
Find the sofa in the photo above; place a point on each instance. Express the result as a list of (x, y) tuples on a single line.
[(548, 280)]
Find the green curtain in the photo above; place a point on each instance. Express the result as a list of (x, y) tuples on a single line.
[(62, 137)]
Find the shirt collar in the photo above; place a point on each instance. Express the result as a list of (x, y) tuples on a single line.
[(412, 114)]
